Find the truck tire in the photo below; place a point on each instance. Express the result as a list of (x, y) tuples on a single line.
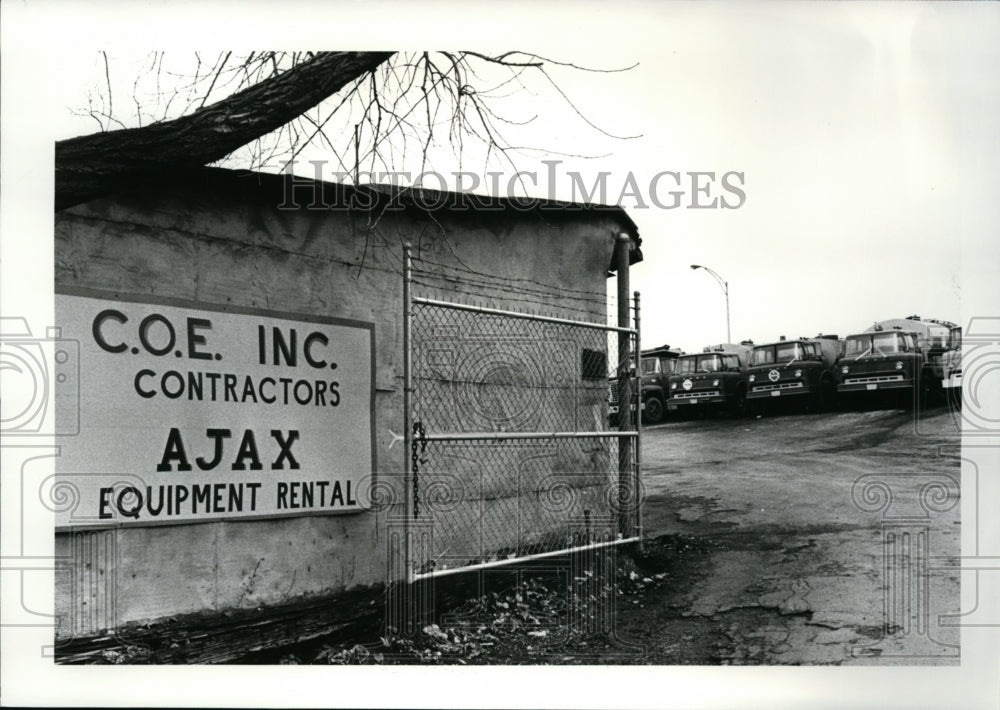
[(826, 398), (923, 390), (655, 410), (739, 405)]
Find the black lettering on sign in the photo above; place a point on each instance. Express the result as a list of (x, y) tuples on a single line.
[(144, 327), (307, 348), (201, 493), (286, 450), (105, 494), (157, 335), (125, 493), (181, 494), (141, 392), (284, 348), (195, 339), (109, 314), (337, 495), (149, 500), (174, 451), (248, 450), (253, 494), (218, 435)]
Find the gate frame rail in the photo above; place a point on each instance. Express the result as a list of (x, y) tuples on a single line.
[(410, 444)]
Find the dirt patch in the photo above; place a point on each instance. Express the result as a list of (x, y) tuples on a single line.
[(613, 609)]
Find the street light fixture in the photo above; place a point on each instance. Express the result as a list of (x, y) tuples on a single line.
[(725, 289)]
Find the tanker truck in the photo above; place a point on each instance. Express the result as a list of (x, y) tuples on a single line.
[(900, 357), (714, 379), (799, 373)]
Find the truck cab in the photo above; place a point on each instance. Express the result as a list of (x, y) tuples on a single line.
[(801, 370), (713, 379), (951, 368), (880, 362), (657, 366), (901, 356)]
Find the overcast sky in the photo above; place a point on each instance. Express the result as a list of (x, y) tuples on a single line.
[(864, 136)]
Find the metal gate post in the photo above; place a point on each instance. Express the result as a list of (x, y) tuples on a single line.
[(407, 390), (637, 480), (622, 246)]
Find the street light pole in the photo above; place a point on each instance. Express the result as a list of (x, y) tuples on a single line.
[(725, 290)]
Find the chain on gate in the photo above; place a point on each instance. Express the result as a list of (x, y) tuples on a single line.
[(419, 442)]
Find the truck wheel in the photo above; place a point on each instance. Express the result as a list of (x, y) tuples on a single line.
[(826, 396), (655, 410), (739, 406), (923, 390), (931, 391)]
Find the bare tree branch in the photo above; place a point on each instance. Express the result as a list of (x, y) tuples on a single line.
[(382, 108), (92, 165)]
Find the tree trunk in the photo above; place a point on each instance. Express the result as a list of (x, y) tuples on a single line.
[(93, 166)]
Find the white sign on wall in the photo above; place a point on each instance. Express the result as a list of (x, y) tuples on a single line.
[(188, 413)]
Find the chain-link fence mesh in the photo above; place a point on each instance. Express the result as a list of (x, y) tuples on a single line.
[(479, 372), (513, 454), (494, 500)]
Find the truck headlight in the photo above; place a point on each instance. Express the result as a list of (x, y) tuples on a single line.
[(673, 385), (798, 373), (752, 378), (843, 370), (715, 383), (899, 364)]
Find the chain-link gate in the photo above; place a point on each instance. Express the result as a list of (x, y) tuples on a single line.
[(510, 451)]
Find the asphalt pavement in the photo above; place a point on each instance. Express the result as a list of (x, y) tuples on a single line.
[(828, 538)]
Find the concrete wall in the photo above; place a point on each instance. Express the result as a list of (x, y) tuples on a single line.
[(233, 247)]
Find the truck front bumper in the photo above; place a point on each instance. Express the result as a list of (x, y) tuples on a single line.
[(685, 399), (779, 389), (874, 383)]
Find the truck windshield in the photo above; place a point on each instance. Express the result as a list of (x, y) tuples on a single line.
[(686, 365), (698, 363), (858, 345), (787, 352), (779, 353), (890, 343), (762, 356), (709, 363), (650, 365)]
